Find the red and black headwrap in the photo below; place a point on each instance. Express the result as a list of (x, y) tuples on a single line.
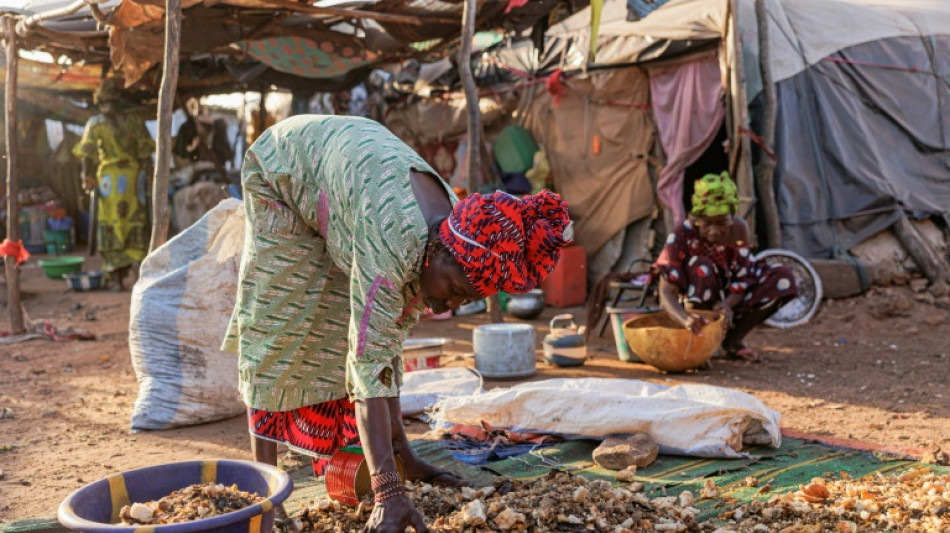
[(506, 243)]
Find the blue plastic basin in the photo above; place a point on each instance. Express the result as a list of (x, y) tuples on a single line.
[(95, 507)]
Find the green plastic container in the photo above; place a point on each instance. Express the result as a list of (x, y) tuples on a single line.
[(55, 267), (514, 149), (58, 241)]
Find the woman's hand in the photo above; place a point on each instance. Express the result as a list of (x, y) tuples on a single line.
[(694, 323), (723, 309), (393, 515)]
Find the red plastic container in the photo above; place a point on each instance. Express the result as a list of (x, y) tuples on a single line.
[(567, 285), (410, 364), (348, 478)]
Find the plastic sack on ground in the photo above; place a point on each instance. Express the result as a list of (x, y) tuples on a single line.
[(421, 389), (697, 420), (180, 310)]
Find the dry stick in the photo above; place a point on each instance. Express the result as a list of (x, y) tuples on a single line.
[(13, 180), (166, 102), (766, 167)]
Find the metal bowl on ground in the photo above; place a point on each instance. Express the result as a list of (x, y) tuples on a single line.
[(95, 508), (663, 343), (85, 281), (526, 306)]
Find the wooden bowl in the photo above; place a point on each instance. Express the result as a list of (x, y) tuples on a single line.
[(663, 343)]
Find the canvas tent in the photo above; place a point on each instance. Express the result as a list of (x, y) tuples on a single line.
[(862, 95)]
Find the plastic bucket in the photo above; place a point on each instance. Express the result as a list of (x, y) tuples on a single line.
[(619, 315), (95, 508), (58, 241), (348, 478)]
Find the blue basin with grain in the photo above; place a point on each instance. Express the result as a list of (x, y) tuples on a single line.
[(95, 508)]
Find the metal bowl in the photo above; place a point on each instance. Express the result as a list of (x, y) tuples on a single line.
[(526, 306)]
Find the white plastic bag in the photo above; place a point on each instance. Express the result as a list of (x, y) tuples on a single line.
[(180, 310), (697, 420), (421, 389)]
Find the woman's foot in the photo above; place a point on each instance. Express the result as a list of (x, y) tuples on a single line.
[(741, 351)]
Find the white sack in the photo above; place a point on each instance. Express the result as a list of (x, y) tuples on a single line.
[(697, 420), (180, 310), (421, 389)]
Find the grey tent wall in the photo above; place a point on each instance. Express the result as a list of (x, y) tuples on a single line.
[(861, 137)]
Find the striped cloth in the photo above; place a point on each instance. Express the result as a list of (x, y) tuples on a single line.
[(329, 277)]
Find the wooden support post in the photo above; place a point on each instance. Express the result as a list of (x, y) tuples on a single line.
[(765, 170), (474, 120), (930, 262), (13, 180), (261, 118), (166, 106), (740, 166)]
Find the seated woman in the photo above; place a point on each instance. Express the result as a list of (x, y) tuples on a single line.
[(706, 264)]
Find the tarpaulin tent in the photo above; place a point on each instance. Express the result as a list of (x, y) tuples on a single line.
[(862, 100), (863, 120)]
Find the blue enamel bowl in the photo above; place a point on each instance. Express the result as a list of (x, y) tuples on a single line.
[(95, 507)]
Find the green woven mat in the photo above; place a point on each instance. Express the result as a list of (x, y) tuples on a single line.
[(785, 468), (795, 463)]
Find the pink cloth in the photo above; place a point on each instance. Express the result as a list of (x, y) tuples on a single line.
[(687, 105)]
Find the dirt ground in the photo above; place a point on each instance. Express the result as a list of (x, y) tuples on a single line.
[(872, 368)]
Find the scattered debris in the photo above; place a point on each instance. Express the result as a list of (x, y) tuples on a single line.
[(190, 503), (918, 500), (627, 475), (558, 502)]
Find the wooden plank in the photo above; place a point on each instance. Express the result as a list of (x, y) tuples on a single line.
[(13, 179), (166, 104)]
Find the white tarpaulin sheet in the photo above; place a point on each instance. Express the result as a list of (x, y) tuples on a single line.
[(696, 420), (421, 389)]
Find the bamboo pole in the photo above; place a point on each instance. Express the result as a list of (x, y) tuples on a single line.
[(13, 180), (166, 104), (765, 170)]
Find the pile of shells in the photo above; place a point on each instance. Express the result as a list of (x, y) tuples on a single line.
[(190, 503), (917, 500), (557, 502)]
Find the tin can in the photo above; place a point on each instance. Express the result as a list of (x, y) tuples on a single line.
[(348, 479)]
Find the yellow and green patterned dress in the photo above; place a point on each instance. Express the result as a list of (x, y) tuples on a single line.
[(123, 234), (329, 279)]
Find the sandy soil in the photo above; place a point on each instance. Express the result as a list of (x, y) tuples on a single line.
[(872, 368)]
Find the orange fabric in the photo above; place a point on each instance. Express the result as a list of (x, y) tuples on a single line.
[(9, 248)]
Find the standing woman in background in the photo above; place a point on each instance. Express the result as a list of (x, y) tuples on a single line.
[(121, 143)]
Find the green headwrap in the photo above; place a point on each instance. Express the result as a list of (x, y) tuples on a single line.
[(715, 195)]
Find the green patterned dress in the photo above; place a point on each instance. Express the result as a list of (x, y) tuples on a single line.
[(329, 279)]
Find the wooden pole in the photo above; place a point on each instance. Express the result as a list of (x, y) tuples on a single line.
[(13, 180), (765, 170), (741, 165), (474, 120), (166, 105)]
